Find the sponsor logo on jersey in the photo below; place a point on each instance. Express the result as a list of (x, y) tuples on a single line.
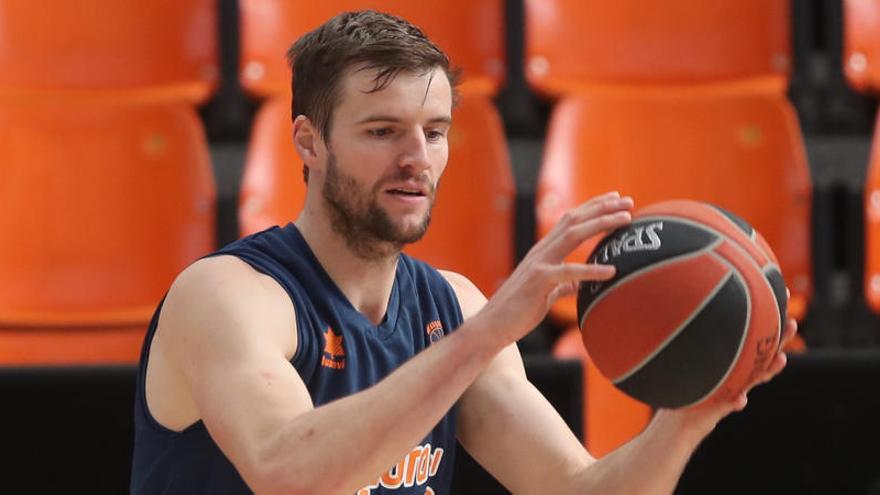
[(334, 351), (415, 469), (434, 330)]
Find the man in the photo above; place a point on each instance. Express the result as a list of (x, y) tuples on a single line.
[(316, 358)]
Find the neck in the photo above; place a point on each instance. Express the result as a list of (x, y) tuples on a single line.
[(365, 281)]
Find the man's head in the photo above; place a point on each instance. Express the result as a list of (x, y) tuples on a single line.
[(372, 105), (384, 44)]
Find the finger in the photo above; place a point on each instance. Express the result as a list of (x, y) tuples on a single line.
[(740, 402), (601, 197), (776, 366), (579, 272), (562, 290), (609, 203), (568, 240), (570, 275), (788, 332)]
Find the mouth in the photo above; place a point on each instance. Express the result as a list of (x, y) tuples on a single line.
[(408, 191)]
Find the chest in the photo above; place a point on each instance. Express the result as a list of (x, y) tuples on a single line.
[(348, 354)]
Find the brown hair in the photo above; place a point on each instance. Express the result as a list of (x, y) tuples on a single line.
[(369, 39)]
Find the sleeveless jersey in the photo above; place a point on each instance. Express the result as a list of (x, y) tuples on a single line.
[(339, 352)]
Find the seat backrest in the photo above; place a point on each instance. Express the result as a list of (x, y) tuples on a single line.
[(471, 33), (740, 151), (101, 205), (572, 43), (272, 187), (861, 44), (95, 346), (872, 225), (164, 46), (472, 226), (472, 223)]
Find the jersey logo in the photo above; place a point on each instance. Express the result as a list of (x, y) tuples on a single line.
[(434, 330), (415, 469), (334, 352)]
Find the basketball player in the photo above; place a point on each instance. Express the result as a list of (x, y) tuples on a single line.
[(317, 359)]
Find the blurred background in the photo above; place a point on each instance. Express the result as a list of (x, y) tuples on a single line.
[(136, 137)]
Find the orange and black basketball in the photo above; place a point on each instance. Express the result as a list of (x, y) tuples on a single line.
[(695, 310)]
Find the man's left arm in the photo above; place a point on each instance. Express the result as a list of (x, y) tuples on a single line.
[(511, 429), (508, 426)]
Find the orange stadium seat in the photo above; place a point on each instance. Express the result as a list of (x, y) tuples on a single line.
[(471, 32), (576, 43), (861, 64), (272, 186), (472, 226), (161, 48), (611, 418), (739, 149), (861, 42), (102, 204), (872, 225), (862, 68)]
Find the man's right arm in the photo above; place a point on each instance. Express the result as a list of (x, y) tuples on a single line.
[(229, 336)]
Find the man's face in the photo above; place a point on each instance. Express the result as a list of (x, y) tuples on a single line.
[(386, 153)]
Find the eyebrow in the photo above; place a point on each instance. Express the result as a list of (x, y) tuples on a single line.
[(445, 119)]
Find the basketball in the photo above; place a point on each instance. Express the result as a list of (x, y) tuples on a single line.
[(695, 310)]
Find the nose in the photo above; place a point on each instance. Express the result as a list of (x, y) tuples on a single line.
[(415, 151)]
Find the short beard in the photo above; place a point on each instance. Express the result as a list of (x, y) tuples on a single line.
[(356, 216)]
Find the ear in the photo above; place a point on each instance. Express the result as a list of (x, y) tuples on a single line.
[(306, 140)]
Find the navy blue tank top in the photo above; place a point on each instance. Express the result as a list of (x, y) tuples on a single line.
[(339, 352)]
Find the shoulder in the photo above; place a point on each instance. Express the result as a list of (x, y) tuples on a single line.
[(470, 298), (225, 279), (227, 298)]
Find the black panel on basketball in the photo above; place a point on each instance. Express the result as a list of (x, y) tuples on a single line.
[(777, 283), (736, 219), (712, 353)]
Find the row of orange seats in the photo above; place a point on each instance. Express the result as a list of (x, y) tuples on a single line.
[(668, 100), (106, 184), (692, 91), (862, 69), (171, 46), (106, 189)]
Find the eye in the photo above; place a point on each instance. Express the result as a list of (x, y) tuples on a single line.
[(380, 132), (434, 135)]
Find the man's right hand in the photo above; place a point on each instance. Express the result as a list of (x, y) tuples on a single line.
[(544, 276)]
